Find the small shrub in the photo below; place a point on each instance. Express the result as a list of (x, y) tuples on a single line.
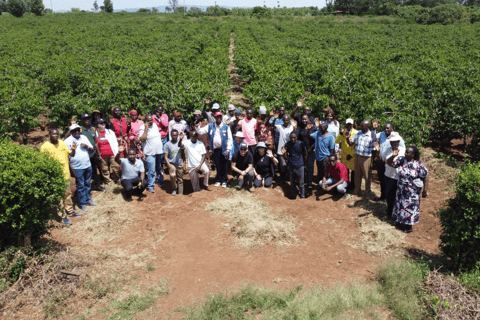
[(460, 239), (36, 7), (31, 184), (16, 7)]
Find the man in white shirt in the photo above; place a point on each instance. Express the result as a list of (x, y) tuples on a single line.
[(196, 162), (284, 131), (81, 165), (391, 174), (153, 149)]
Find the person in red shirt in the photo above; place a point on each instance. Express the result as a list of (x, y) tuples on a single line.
[(120, 127), (107, 149), (338, 176)]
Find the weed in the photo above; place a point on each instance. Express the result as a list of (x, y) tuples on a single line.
[(54, 306), (149, 267)]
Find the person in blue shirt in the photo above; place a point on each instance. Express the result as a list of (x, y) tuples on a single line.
[(277, 120), (295, 152), (324, 147)]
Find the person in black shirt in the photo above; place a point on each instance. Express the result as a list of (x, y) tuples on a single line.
[(263, 165), (242, 164), (295, 152), (304, 136)]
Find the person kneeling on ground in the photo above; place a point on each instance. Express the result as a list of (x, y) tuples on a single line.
[(263, 166), (295, 153), (133, 174), (196, 153), (338, 176), (242, 164), (174, 157)]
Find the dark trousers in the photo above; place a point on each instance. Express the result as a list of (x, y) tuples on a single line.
[(252, 148), (159, 160), (268, 182), (130, 184), (309, 168), (297, 175), (321, 168), (380, 165), (221, 163), (351, 184), (390, 193), (95, 176)]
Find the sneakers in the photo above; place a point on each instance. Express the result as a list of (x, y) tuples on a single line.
[(91, 203), (174, 192), (76, 215), (217, 184), (84, 208), (224, 184), (151, 190), (66, 221)]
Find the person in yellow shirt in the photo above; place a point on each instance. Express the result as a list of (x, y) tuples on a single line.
[(58, 150), (348, 151)]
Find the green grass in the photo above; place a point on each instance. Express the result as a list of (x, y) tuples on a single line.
[(134, 303), (398, 290), (471, 279)]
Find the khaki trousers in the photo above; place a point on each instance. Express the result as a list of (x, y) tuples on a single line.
[(194, 177), (105, 164), (67, 203), (176, 178), (363, 170)]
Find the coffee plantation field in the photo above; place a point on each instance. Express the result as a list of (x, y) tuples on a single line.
[(424, 79)]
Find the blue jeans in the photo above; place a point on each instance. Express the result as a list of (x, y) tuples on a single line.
[(154, 168), (342, 188), (221, 163), (82, 180)]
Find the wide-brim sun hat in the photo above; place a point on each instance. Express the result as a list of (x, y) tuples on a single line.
[(394, 137), (239, 134), (261, 145)]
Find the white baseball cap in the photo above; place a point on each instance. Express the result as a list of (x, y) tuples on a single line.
[(394, 136), (349, 121), (74, 126), (239, 134), (263, 110), (231, 107), (216, 106)]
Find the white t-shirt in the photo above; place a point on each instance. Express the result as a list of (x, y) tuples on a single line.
[(82, 157), (153, 145), (195, 151), (284, 136), (391, 172)]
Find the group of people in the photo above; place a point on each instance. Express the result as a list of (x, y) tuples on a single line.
[(134, 153)]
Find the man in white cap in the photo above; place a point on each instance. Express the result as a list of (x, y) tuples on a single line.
[(220, 142), (264, 128), (391, 174), (80, 164), (230, 116), (210, 115), (348, 151), (384, 144)]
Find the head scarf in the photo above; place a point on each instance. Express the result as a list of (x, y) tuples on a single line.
[(176, 113)]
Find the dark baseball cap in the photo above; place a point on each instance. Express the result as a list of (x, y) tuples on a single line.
[(243, 145), (85, 116), (100, 120)]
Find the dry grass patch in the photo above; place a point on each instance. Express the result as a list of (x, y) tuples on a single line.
[(438, 166), (252, 222), (378, 237), (106, 220)]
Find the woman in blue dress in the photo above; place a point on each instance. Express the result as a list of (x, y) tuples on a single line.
[(412, 178)]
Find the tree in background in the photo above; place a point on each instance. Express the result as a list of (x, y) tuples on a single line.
[(3, 6), (168, 9), (180, 9), (173, 5), (107, 6), (95, 6), (154, 10), (36, 7), (16, 7)]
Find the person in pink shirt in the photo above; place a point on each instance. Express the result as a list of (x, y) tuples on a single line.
[(249, 127), (161, 120), (133, 139)]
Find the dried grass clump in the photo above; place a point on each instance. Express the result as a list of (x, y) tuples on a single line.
[(106, 220), (42, 279), (450, 298), (253, 224), (378, 236)]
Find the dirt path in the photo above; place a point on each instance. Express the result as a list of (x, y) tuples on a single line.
[(236, 92)]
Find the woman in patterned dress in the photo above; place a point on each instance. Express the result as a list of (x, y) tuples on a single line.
[(412, 177), (119, 126)]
